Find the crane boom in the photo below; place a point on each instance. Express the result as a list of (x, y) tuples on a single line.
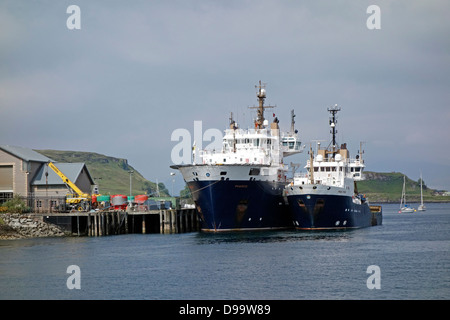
[(67, 181)]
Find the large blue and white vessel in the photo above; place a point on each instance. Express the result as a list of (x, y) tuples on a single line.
[(326, 196), (241, 186)]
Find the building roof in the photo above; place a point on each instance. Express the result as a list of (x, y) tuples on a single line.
[(25, 153), (70, 170)]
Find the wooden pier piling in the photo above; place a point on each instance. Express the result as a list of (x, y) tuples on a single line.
[(105, 223)]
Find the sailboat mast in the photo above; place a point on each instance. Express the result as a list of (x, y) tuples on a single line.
[(404, 185), (403, 193), (421, 194)]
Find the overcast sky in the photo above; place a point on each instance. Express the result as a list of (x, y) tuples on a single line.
[(138, 70)]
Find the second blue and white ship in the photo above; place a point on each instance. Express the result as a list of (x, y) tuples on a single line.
[(326, 197), (241, 186)]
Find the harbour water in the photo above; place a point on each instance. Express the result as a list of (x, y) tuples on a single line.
[(412, 252)]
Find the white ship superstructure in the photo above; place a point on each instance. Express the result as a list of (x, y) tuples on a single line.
[(332, 172)]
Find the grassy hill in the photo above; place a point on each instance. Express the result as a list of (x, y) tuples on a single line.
[(111, 174), (387, 187)]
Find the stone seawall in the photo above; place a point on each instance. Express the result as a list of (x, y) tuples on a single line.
[(20, 226)]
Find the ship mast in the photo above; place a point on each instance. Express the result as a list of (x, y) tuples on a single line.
[(361, 151), (234, 127), (292, 121), (233, 124), (261, 94), (333, 122), (311, 164)]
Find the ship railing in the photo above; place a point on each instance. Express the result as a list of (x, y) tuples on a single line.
[(248, 133), (249, 152), (221, 157)]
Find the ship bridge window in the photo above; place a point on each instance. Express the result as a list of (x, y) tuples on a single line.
[(223, 173), (256, 142), (254, 172), (328, 169)]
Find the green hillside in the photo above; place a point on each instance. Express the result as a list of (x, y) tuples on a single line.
[(387, 187), (111, 174)]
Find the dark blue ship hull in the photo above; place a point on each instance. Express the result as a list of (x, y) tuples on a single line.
[(226, 205), (316, 212)]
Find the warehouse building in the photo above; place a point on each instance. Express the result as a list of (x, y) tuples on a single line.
[(25, 172)]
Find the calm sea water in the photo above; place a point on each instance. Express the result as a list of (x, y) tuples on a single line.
[(412, 252)]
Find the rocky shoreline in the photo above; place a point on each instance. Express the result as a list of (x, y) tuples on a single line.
[(21, 226)]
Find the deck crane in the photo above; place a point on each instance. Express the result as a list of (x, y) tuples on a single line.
[(78, 199)]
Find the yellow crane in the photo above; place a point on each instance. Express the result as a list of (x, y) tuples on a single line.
[(78, 199)]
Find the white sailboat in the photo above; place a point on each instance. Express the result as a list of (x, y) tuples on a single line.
[(421, 206), (404, 208)]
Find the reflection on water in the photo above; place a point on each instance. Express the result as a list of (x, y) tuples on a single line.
[(273, 236)]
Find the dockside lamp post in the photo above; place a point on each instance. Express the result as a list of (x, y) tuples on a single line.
[(173, 180), (131, 173)]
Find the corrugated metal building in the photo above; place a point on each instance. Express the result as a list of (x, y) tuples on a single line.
[(25, 172)]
